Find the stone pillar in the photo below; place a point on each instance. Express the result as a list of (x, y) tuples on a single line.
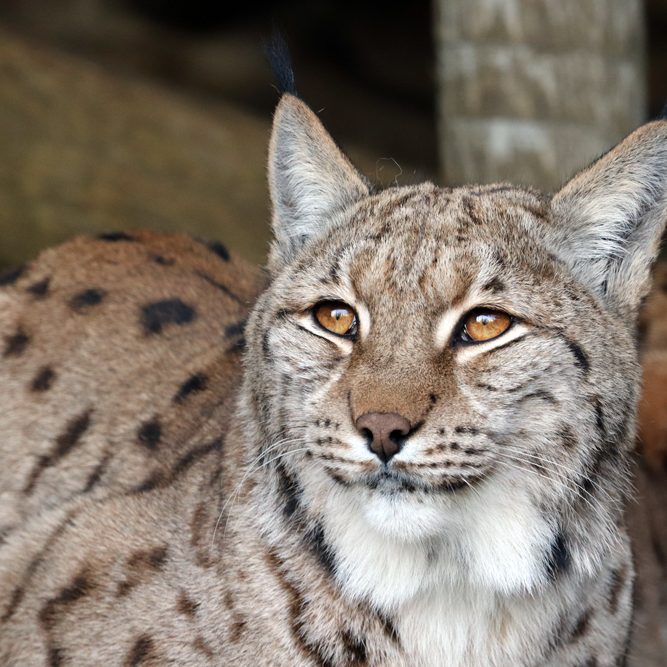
[(532, 90)]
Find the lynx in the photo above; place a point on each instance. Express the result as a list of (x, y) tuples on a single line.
[(407, 443)]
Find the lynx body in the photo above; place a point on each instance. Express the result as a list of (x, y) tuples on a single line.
[(183, 486)]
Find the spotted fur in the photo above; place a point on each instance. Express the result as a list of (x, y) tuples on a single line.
[(162, 506)]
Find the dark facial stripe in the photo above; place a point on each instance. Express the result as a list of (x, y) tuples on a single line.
[(558, 559), (495, 285), (82, 301), (580, 357), (65, 442), (540, 395), (288, 490), (159, 314), (16, 344), (599, 419), (315, 539)]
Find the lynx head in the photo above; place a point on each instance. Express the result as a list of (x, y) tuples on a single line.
[(453, 371)]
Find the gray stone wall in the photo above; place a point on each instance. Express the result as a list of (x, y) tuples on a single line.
[(532, 90)]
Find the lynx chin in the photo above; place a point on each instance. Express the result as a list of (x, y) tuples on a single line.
[(405, 444)]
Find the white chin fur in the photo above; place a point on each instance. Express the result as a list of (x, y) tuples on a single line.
[(392, 548), (405, 517)]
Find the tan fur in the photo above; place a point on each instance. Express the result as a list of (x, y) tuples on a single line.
[(153, 513)]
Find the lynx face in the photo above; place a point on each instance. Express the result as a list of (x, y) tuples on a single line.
[(449, 369)]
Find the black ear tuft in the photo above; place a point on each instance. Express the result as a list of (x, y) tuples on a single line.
[(278, 56)]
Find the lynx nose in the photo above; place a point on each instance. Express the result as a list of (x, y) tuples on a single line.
[(385, 431)]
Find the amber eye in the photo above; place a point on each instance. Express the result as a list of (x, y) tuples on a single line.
[(482, 324), (336, 317)]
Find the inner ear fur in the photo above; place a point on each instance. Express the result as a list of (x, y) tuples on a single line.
[(610, 217), (310, 179)]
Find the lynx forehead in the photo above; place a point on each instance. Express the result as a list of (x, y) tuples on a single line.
[(426, 462)]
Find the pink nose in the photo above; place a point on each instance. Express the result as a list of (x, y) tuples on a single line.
[(385, 431)]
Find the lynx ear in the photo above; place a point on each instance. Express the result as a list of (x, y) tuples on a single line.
[(309, 178), (610, 217)]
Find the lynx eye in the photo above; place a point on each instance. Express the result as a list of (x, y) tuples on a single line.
[(483, 324), (336, 317)]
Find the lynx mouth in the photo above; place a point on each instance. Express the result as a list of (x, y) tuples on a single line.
[(390, 482)]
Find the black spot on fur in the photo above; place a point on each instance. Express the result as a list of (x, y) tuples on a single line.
[(581, 626), (195, 383), (186, 605), (196, 453), (115, 237), (239, 345), (162, 260), (356, 649), (388, 627), (12, 275), (53, 609), (17, 596), (40, 289), (56, 657), (149, 434), (82, 301), (235, 329), (97, 473), (155, 316), (218, 285), (219, 249), (142, 649), (558, 559), (16, 344), (153, 481), (73, 432), (43, 381), (65, 442)]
